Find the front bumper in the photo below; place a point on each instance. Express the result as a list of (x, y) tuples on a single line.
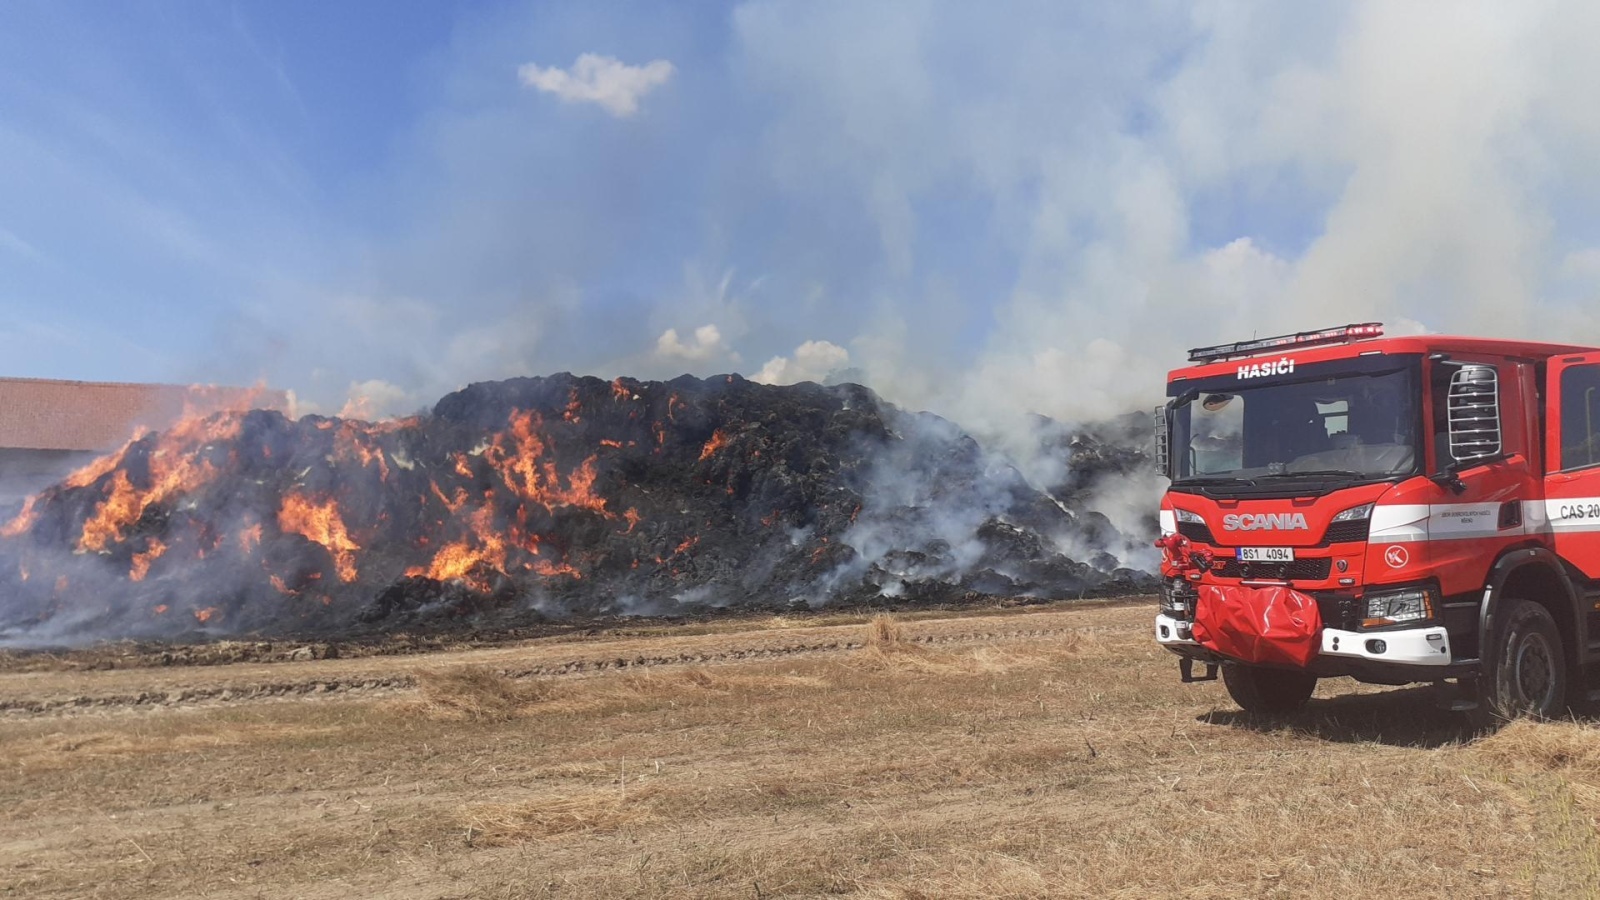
[(1428, 646)]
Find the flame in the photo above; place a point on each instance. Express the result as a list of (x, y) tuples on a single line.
[(204, 615), (141, 561), (674, 403), (519, 457), (24, 519), (91, 473), (816, 555), (633, 517), (717, 442), (607, 442), (280, 587), (352, 443), (321, 523), (688, 544), (175, 467), (160, 609), (452, 505), (250, 538), (574, 407), (461, 560), (619, 391), (463, 466), (547, 568)]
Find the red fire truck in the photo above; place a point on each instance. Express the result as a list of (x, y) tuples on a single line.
[(1392, 509)]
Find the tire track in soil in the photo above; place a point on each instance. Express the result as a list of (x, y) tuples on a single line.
[(594, 664)]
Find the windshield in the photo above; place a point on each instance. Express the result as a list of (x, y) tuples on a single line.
[(1349, 423)]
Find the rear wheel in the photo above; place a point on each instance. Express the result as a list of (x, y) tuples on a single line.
[(1267, 691), (1528, 674)]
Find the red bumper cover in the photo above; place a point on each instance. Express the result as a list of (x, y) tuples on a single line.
[(1258, 624)]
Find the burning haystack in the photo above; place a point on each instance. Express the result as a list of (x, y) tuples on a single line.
[(536, 496)]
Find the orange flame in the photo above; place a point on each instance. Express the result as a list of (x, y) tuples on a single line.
[(717, 442), (459, 560), (573, 408), (519, 458), (204, 615), (160, 609), (688, 544), (633, 517), (176, 467), (619, 391), (141, 561), (607, 442), (321, 523), (352, 443), (250, 538), (23, 521)]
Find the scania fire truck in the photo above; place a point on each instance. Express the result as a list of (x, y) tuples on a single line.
[(1391, 509)]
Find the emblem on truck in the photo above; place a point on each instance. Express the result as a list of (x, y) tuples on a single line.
[(1264, 521)]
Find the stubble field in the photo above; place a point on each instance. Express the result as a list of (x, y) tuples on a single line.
[(1036, 752)]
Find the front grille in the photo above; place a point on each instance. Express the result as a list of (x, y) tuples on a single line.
[(1198, 532), (1314, 569), (1342, 532)]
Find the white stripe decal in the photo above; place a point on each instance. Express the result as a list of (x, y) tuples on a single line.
[(1573, 514), (1399, 523), (1410, 522)]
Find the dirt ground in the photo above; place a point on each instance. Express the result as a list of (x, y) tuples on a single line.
[(1039, 752)]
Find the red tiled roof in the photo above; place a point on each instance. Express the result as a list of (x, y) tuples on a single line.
[(43, 414)]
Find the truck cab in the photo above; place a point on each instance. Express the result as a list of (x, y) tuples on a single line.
[(1390, 509)]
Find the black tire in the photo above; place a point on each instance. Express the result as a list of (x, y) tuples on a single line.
[(1528, 668), (1271, 692)]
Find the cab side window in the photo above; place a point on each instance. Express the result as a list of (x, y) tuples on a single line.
[(1580, 417)]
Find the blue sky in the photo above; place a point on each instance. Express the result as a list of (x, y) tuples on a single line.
[(984, 209)]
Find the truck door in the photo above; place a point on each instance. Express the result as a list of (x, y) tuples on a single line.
[(1572, 459)]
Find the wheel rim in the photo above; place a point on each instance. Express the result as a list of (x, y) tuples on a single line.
[(1534, 672)]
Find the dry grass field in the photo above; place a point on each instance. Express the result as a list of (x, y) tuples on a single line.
[(1027, 753)]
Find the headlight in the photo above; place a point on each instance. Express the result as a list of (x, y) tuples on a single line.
[(1355, 513), (1394, 607), (1185, 516)]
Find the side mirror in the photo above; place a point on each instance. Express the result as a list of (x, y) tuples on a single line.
[(1474, 413), (1163, 442)]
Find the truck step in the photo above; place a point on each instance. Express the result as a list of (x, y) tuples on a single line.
[(1186, 670)]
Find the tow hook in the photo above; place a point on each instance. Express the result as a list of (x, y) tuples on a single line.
[(1186, 669)]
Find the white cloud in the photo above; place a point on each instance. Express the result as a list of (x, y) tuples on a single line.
[(812, 361), (605, 81), (706, 343)]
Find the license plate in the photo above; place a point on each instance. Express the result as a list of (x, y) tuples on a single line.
[(1266, 554)]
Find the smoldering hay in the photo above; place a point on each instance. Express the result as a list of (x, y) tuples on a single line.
[(555, 496)]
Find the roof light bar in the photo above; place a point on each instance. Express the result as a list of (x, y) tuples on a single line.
[(1342, 334)]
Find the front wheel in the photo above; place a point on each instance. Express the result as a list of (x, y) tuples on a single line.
[(1528, 674), (1267, 691)]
